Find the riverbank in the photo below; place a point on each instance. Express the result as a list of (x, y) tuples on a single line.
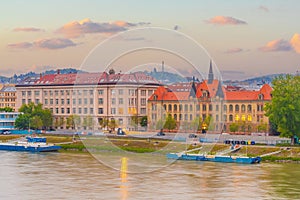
[(159, 145)]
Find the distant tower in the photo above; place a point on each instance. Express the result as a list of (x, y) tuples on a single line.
[(210, 74)]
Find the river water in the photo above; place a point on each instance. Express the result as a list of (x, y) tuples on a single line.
[(81, 176)]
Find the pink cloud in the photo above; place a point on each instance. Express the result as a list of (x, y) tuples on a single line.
[(27, 29), (52, 43), (21, 45), (234, 50), (263, 8), (276, 45), (223, 20), (295, 42), (86, 26)]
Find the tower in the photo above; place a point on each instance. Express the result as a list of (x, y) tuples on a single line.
[(210, 74)]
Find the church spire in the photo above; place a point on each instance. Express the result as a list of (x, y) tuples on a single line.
[(210, 74)]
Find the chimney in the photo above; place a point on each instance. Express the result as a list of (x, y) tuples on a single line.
[(58, 71)]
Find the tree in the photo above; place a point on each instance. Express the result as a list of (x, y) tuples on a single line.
[(22, 122), (144, 121), (262, 127), (36, 122), (284, 108), (112, 124), (234, 127), (103, 123), (6, 109), (170, 123)]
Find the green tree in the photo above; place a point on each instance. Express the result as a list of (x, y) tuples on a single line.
[(284, 108), (234, 127), (6, 109), (262, 127), (22, 122), (170, 123), (103, 123), (36, 122), (112, 124), (144, 121)]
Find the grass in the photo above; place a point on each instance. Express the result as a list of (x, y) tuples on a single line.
[(5, 138)]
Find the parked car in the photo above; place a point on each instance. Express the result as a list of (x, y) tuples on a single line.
[(192, 135), (161, 133), (6, 132), (120, 132)]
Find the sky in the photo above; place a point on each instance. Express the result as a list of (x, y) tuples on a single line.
[(243, 38)]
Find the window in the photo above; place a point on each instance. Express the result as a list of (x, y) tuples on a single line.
[(85, 101), (243, 118), (143, 102), (85, 92), (56, 92), (180, 116), (85, 111), (113, 111), (165, 107), (260, 96), (68, 92), (100, 92), (29, 93), (68, 101), (180, 107), (113, 92), (143, 92), (37, 101), (62, 92), (74, 101), (230, 108), (191, 107), (46, 101), (191, 117), (175, 117), (120, 121), (56, 110), (198, 107), (143, 111), (23, 93), (217, 107), (74, 110), (249, 108), (91, 101), (175, 107), (237, 118), (79, 110), (237, 108), (68, 110), (243, 108), (249, 118), (51, 101), (62, 110), (120, 100), (121, 91), (62, 101), (56, 101), (36, 93), (23, 101), (121, 111), (225, 108), (217, 118), (230, 118), (210, 107), (186, 117), (113, 101), (100, 110), (100, 101), (91, 92), (186, 107), (91, 111), (51, 93), (79, 101), (203, 107)]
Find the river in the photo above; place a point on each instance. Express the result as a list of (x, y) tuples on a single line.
[(80, 176)]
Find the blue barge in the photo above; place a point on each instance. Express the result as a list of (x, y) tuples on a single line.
[(31, 144)]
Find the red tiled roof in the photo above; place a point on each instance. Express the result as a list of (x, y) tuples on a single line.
[(249, 95)]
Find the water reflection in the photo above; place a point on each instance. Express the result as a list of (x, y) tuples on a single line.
[(80, 176)]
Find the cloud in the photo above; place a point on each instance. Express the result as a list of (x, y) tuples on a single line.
[(276, 45), (21, 45), (295, 42), (234, 50), (222, 20), (52, 43), (27, 29), (263, 8), (86, 26)]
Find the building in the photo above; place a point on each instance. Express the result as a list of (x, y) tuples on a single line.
[(208, 105), (8, 96), (7, 120), (94, 97)]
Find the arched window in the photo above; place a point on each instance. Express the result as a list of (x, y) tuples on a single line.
[(261, 97), (180, 107), (230, 108), (225, 108), (249, 108), (170, 107), (191, 117), (180, 116), (249, 118), (230, 118), (237, 118), (165, 107), (186, 107), (191, 107), (175, 117), (237, 108), (175, 107), (243, 108), (186, 117)]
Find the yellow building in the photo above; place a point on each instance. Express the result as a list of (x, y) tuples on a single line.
[(8, 96)]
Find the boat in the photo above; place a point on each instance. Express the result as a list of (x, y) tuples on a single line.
[(185, 155), (30, 144)]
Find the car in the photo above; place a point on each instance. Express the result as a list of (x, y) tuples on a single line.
[(120, 132), (160, 133), (192, 135), (6, 132)]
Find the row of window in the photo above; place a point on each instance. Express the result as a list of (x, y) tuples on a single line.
[(113, 111), (190, 107)]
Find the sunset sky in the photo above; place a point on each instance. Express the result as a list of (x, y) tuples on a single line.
[(244, 38)]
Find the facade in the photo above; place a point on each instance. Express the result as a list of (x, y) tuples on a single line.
[(208, 105), (94, 97), (8, 96), (7, 120)]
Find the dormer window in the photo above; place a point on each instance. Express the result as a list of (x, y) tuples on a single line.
[(204, 94), (261, 97), (155, 97)]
